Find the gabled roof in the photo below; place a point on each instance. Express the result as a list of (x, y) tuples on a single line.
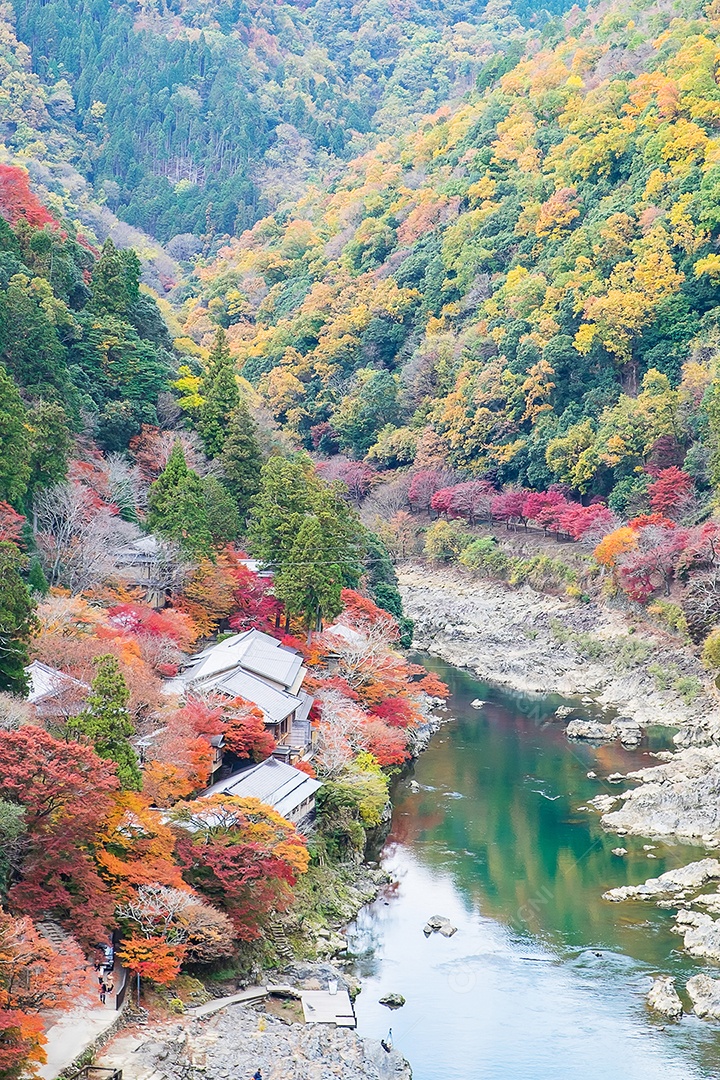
[(47, 682), (275, 704), (278, 785), (258, 653)]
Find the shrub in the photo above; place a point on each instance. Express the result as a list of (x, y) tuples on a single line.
[(711, 650), (688, 687), (444, 541), (485, 557), (672, 615)]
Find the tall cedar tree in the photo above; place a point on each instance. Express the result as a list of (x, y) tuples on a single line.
[(107, 722), (14, 442), (241, 459), (308, 584), (177, 508), (223, 517), (17, 620), (115, 281), (220, 396)]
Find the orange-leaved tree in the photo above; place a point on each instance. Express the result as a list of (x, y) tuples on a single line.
[(240, 854)]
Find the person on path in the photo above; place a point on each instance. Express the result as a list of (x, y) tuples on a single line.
[(257, 1076), (103, 993)]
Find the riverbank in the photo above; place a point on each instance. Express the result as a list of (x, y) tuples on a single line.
[(241, 1038), (538, 644)]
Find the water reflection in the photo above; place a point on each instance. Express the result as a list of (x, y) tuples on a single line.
[(544, 979)]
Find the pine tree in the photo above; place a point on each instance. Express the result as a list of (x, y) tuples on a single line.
[(115, 281), (220, 396), (17, 620), (177, 508), (107, 722), (241, 459), (309, 584)]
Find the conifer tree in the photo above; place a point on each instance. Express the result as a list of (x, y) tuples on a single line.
[(17, 620), (107, 722), (309, 584), (177, 508), (220, 396), (115, 281), (223, 517), (14, 441), (241, 459)]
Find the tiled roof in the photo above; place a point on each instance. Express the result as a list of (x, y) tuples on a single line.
[(273, 782)]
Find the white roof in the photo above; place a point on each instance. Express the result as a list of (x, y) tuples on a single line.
[(47, 682), (275, 704), (258, 653), (347, 633), (273, 782)]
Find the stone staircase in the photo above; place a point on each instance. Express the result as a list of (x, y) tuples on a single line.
[(277, 935)]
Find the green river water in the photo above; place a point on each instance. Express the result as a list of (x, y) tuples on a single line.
[(544, 980)]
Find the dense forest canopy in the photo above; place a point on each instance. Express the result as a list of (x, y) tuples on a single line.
[(193, 118)]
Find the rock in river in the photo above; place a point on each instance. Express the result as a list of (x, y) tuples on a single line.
[(692, 876), (701, 934), (393, 1001), (441, 924), (593, 730), (705, 995), (663, 998)]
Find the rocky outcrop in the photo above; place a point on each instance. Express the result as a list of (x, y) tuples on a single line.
[(678, 798), (701, 934), (663, 998), (704, 993), (439, 924), (392, 1001), (669, 884)]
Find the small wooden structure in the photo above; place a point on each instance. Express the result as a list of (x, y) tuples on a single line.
[(322, 1007)]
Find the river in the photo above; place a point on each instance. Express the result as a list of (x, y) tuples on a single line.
[(544, 980)]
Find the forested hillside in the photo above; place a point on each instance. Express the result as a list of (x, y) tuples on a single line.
[(518, 283), (195, 118)]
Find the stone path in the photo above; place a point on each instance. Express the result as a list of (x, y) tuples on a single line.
[(77, 1030)]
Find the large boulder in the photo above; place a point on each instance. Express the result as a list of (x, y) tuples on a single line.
[(591, 730), (701, 934), (663, 998), (704, 993)]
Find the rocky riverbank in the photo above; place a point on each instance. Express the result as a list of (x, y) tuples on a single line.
[(242, 1038), (536, 643)]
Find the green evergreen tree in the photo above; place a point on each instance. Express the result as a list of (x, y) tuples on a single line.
[(277, 512), (176, 507), (107, 722), (383, 584), (241, 459), (14, 442), (17, 620), (36, 580), (220, 396), (223, 517), (309, 584), (115, 281)]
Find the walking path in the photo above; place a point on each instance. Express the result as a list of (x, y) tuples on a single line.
[(72, 1034), (252, 993)]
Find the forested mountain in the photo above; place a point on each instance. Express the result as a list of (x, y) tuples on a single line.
[(195, 117), (524, 287)]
